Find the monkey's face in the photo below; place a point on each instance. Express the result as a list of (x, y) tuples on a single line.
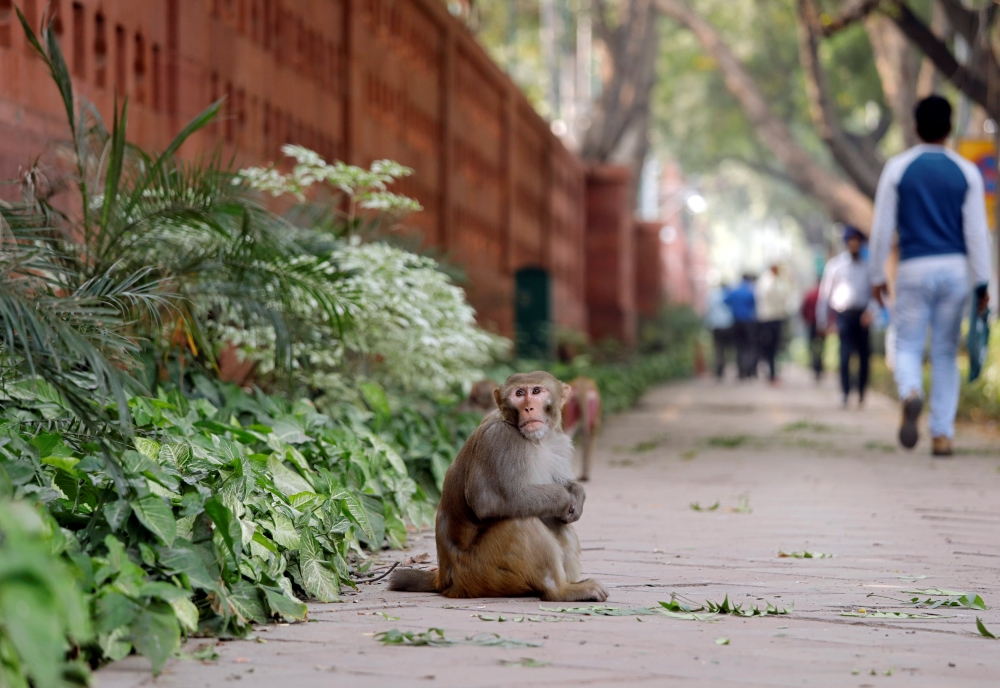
[(534, 407)]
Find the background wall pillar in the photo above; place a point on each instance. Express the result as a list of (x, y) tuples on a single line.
[(650, 269), (610, 265)]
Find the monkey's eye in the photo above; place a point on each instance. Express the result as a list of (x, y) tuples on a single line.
[(536, 390), (519, 393)]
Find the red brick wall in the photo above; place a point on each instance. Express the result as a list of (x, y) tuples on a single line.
[(650, 270), (610, 254), (680, 270), (356, 80)]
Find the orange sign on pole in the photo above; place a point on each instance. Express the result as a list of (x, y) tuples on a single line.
[(984, 154)]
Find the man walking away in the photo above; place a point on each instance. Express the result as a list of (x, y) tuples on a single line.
[(845, 289), (741, 302), (771, 296), (817, 337), (719, 321), (934, 200)]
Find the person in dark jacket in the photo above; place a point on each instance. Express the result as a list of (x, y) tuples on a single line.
[(817, 337), (845, 290), (743, 305), (719, 321)]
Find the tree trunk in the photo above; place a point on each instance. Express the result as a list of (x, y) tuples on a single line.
[(861, 163), (929, 80), (897, 68), (979, 78), (620, 119), (841, 199), (978, 81)]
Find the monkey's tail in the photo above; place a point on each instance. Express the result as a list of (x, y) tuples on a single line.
[(414, 580)]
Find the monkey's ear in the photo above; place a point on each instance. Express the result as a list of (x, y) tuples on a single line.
[(567, 392), (497, 398)]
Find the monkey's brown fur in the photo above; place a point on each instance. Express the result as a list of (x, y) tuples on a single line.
[(503, 524)]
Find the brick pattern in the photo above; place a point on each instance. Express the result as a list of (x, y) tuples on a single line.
[(357, 80), (610, 281)]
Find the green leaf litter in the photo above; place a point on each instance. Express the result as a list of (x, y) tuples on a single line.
[(435, 637)]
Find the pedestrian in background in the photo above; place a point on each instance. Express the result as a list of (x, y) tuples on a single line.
[(719, 321), (771, 295), (744, 309), (846, 291), (934, 200), (817, 336)]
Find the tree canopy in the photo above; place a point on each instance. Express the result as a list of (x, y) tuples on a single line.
[(809, 94)]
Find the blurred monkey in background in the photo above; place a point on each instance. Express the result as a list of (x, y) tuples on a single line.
[(582, 418)]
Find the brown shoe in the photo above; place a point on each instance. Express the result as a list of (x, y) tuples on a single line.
[(941, 446), (908, 434)]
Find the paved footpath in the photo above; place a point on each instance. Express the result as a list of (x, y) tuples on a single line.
[(808, 475)]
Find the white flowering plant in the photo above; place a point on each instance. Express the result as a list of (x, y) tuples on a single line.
[(363, 189), (409, 326)]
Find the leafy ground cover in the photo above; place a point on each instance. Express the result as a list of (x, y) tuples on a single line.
[(231, 511)]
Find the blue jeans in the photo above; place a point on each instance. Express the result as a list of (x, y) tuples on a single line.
[(935, 297)]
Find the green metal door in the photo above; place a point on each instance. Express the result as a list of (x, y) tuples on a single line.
[(533, 313)]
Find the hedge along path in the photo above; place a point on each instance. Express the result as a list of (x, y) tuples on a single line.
[(235, 513)]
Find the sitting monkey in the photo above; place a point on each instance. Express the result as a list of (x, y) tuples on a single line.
[(503, 524)]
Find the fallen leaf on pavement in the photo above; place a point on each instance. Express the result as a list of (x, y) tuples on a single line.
[(525, 662), (864, 613), (804, 555)]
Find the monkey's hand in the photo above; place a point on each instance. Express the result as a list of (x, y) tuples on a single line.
[(576, 497)]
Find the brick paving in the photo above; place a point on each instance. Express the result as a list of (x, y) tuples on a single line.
[(808, 475)]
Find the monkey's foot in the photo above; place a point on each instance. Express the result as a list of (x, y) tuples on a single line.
[(588, 590)]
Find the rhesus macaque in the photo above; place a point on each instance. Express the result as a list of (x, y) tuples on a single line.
[(480, 398), (503, 524), (582, 416)]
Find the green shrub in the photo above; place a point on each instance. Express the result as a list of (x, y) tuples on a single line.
[(671, 328), (234, 506), (42, 612)]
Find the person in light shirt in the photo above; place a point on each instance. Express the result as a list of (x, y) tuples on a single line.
[(846, 291), (771, 294), (934, 200)]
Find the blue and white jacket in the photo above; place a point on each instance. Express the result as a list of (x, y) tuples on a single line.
[(934, 199)]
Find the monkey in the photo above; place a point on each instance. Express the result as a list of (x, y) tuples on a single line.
[(582, 416), (480, 398), (503, 525)]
